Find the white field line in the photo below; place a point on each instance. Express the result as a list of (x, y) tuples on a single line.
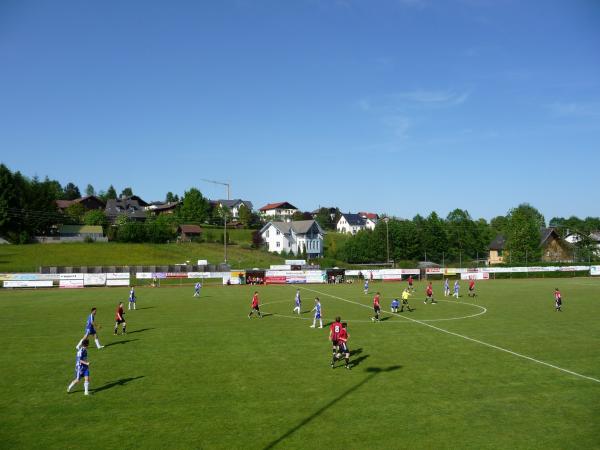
[(470, 339)]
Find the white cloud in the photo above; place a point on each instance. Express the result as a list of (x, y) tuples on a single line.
[(573, 109)]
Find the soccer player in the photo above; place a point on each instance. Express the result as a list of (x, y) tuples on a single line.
[(410, 283), (297, 302), (82, 368), (429, 294), (456, 288), (90, 330), (132, 298), (472, 288), (334, 334), (376, 307), (317, 310), (197, 288), (343, 346), (557, 300), (446, 288), (120, 318), (255, 306), (405, 295), (395, 305), (366, 287)]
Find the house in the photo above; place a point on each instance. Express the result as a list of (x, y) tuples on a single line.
[(158, 208), (496, 248), (368, 215), (81, 233), (330, 210), (188, 232), (133, 207), (554, 249), (295, 237), (282, 210), (234, 206), (370, 223), (351, 223), (593, 239), (89, 203)]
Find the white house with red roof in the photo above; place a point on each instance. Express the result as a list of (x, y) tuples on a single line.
[(283, 210)]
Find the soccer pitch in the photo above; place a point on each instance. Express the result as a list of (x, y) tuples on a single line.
[(503, 370)]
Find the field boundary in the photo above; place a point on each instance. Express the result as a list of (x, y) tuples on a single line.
[(529, 358)]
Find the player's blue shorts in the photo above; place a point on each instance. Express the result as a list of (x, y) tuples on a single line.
[(90, 330), (317, 316), (132, 300), (83, 371)]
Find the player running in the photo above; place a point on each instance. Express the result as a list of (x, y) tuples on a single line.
[(557, 300), (90, 330), (343, 346), (317, 310), (120, 318), (376, 307), (429, 294), (472, 289), (410, 283), (334, 334), (197, 288), (132, 298), (446, 288), (405, 295), (255, 306), (366, 286), (456, 288), (82, 368), (297, 302)]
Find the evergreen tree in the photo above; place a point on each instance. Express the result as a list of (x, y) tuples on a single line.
[(89, 190), (70, 191)]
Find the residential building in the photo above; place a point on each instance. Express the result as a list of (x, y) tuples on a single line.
[(295, 237), (496, 248), (351, 223), (89, 203), (188, 232), (368, 215), (554, 248), (133, 207), (370, 223), (79, 233), (158, 208), (280, 210), (234, 206)]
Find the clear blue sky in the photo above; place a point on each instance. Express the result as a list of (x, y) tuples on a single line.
[(399, 106)]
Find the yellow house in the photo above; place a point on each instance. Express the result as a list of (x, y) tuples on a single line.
[(497, 250)]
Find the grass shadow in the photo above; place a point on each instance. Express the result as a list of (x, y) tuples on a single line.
[(147, 307), (121, 342), (112, 384), (141, 330), (357, 361)]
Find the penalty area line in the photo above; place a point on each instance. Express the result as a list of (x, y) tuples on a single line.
[(529, 358)]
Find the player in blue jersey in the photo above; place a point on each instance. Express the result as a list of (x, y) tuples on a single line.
[(297, 302), (197, 288), (456, 289), (82, 368), (395, 305), (90, 330), (366, 287), (317, 310), (446, 288), (132, 298)]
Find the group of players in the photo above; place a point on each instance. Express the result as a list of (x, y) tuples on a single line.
[(82, 363)]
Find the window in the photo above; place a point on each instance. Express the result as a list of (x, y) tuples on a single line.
[(277, 232), (278, 244), (267, 233)]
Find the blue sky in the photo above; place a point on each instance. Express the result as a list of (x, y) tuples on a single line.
[(399, 106)]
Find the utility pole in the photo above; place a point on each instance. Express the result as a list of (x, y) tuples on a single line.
[(227, 185), (387, 237)]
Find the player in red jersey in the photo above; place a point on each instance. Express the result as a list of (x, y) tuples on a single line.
[(334, 335), (471, 289), (120, 318), (429, 294), (410, 283), (343, 346), (557, 300), (255, 306), (376, 307)]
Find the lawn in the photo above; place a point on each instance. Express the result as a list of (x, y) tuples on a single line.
[(197, 373), (25, 258)]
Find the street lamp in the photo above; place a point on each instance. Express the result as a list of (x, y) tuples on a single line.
[(387, 237), (224, 215)]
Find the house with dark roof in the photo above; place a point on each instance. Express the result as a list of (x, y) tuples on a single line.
[(351, 223), (592, 239), (496, 248), (554, 248), (158, 208), (296, 237), (282, 210), (89, 203), (133, 207), (234, 206), (187, 233)]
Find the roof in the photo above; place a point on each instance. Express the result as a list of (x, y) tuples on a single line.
[(64, 204), (298, 226), (235, 202), (368, 215), (81, 229), (547, 233), (190, 229), (129, 206), (279, 205), (354, 219), (163, 206), (498, 243)]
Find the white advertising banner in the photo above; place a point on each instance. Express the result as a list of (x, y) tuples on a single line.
[(315, 276), (475, 276), (28, 276), (143, 275), (117, 276), (27, 284), (94, 279), (70, 283), (71, 276), (295, 262), (203, 262), (120, 282), (281, 267), (595, 270)]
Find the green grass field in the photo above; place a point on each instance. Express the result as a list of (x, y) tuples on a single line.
[(197, 373)]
